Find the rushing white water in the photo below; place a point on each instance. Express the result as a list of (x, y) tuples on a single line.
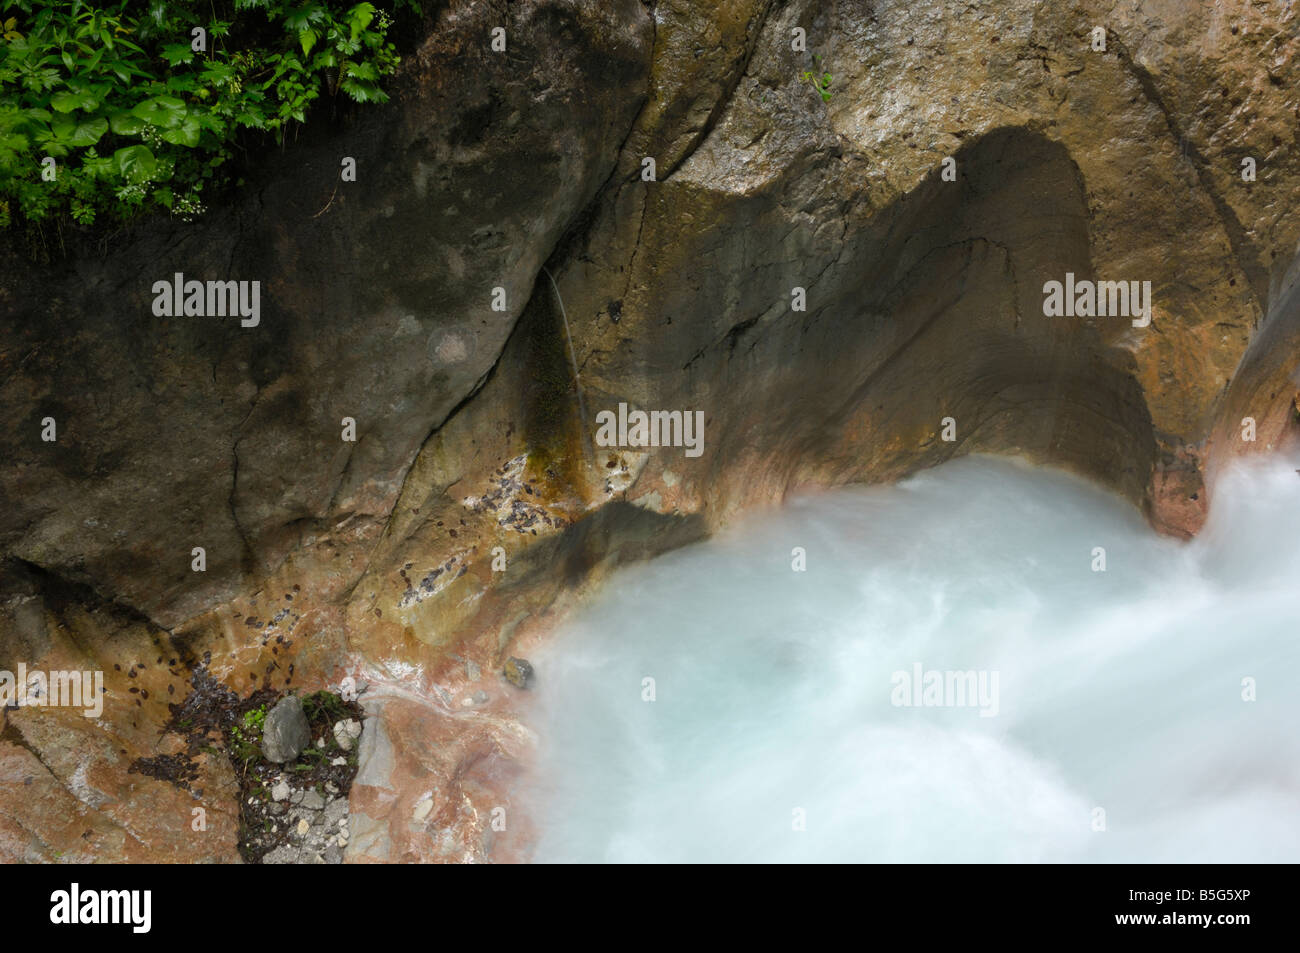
[(773, 689)]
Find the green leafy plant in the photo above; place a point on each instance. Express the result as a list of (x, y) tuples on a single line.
[(108, 108), (820, 83), (255, 719), (246, 736)]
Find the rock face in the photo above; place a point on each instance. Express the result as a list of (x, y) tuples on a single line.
[(924, 296), (801, 271), (376, 304), (286, 732)]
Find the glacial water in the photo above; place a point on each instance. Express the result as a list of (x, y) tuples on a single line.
[(774, 734)]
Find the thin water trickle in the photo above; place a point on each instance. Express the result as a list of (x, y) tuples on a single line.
[(573, 362), (1119, 694)]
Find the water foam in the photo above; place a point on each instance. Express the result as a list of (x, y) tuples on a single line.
[(1118, 690)]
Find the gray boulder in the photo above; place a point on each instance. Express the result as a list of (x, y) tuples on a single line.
[(286, 732)]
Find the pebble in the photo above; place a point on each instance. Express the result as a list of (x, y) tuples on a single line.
[(313, 801), (423, 808), (518, 672), (280, 791), (284, 854), (346, 732), (336, 811), (303, 827)]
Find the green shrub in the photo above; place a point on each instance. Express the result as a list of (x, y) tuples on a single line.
[(136, 120)]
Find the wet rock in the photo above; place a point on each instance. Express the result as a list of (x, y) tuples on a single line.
[(286, 732), (518, 672)]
